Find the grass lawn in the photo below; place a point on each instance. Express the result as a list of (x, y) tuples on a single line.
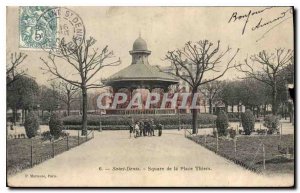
[(249, 151), (19, 151)]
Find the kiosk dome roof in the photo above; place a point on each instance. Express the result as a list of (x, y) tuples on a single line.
[(139, 44)]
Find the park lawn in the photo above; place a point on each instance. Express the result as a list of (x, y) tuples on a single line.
[(18, 152), (249, 152)]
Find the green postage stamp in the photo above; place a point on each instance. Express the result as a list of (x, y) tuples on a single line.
[(34, 30)]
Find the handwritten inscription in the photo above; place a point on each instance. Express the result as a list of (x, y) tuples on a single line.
[(261, 22)]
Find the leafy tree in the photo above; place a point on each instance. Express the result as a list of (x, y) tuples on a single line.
[(48, 99), (230, 94), (286, 77), (253, 94), (22, 94)]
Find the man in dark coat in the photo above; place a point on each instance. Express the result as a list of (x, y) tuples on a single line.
[(159, 128), (130, 130), (142, 128), (152, 127), (147, 128)]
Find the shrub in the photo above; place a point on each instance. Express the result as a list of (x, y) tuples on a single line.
[(55, 126), (31, 125), (233, 116), (261, 131), (64, 134), (248, 122), (272, 123), (46, 135), (214, 133), (222, 123), (232, 133)]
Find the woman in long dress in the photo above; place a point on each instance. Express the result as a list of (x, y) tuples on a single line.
[(136, 129)]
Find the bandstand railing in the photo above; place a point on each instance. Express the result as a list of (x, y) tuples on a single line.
[(140, 111)]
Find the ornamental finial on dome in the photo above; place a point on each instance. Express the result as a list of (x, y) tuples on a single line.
[(139, 44)]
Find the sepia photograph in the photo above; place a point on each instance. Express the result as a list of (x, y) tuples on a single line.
[(150, 96)]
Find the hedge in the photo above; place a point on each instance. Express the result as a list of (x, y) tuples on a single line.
[(123, 121), (125, 127), (234, 117)]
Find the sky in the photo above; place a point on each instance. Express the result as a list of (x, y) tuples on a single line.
[(165, 29)]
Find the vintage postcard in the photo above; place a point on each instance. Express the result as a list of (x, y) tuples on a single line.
[(150, 96)]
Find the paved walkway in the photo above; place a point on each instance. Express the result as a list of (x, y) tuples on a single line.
[(102, 161)]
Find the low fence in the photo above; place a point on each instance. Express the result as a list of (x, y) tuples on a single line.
[(255, 152), (25, 153)]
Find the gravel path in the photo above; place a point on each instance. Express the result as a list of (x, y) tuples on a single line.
[(114, 159)]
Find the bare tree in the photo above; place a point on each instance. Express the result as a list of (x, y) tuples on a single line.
[(86, 62), (267, 68), (210, 91), (12, 69), (66, 93), (194, 61)]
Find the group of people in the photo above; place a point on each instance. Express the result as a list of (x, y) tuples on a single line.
[(145, 128)]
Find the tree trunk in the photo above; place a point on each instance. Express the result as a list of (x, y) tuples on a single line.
[(68, 102), (26, 112), (84, 110), (194, 115), (194, 121), (210, 106), (68, 109), (14, 116), (274, 100), (23, 116), (292, 117), (285, 111)]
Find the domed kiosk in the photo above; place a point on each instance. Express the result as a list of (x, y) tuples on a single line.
[(140, 74)]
